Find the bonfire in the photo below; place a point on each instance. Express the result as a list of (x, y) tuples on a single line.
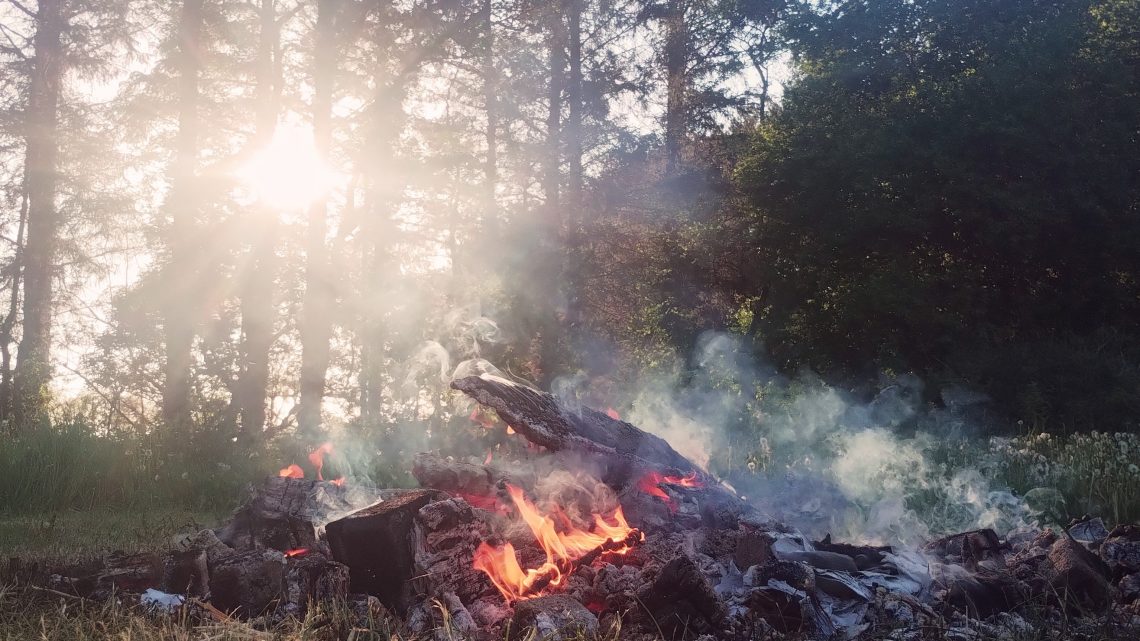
[(606, 527)]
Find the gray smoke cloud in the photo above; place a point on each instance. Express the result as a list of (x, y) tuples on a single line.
[(815, 457)]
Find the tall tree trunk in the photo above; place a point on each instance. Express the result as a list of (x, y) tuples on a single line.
[(574, 117), (491, 131), (384, 188), (33, 362), (551, 244), (316, 320), (556, 58), (8, 325), (182, 205), (572, 270), (676, 83), (257, 311)]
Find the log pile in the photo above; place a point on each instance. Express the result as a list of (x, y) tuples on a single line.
[(697, 561)]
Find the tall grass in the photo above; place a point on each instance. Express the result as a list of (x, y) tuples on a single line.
[(72, 466)]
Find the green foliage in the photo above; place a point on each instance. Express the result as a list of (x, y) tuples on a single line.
[(952, 188)]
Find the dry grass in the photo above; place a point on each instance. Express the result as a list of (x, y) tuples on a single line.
[(26, 614)]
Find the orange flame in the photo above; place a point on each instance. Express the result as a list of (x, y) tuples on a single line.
[(562, 549), (297, 552), (294, 471), (612, 413), (338, 481), (510, 430), (317, 458), (651, 484)]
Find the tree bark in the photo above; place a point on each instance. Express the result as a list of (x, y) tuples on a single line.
[(257, 311), (378, 229), (575, 220), (316, 321), (182, 205), (676, 83), (9, 323), (491, 131), (41, 166), (556, 59)]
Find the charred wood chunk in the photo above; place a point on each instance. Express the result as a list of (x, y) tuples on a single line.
[(979, 594), (821, 560), (206, 541), (312, 578), (456, 477), (129, 573), (1121, 550), (967, 548), (279, 516), (446, 536), (186, 572), (1089, 530), (752, 548), (1129, 588), (1077, 577), (377, 545), (866, 557), (553, 618), (786, 598), (249, 583), (681, 601)]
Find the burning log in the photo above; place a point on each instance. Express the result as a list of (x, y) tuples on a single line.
[(543, 421), (477, 484), (630, 458), (553, 617), (543, 580), (564, 549), (447, 533), (278, 516)]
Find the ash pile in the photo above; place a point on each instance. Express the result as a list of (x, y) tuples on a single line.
[(610, 531)]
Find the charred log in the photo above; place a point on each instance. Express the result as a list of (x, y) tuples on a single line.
[(544, 421), (313, 578), (681, 601), (377, 545), (278, 516), (249, 584), (447, 534)]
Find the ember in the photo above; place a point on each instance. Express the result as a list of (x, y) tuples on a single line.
[(651, 484), (562, 549), (297, 552)]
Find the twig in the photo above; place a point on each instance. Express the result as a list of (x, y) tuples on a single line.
[(58, 593)]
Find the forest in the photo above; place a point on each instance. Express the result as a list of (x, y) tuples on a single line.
[(878, 259), (243, 224)]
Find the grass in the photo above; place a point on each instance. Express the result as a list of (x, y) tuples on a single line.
[(72, 535), (26, 614)]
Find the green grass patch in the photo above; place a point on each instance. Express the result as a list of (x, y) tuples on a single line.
[(71, 535)]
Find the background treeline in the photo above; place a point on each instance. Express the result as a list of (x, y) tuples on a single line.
[(945, 188)]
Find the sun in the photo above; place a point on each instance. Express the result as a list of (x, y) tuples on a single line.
[(288, 174)]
